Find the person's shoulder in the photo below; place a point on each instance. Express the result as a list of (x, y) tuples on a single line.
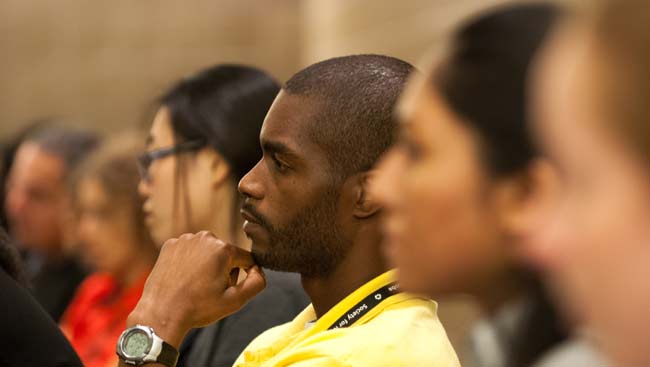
[(573, 352), (29, 336), (264, 342), (413, 317), (408, 332), (95, 279), (96, 285)]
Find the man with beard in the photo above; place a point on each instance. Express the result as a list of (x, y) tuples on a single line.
[(307, 210)]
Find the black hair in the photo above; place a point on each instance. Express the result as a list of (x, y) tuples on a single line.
[(355, 98), (224, 106), (71, 145), (483, 79)]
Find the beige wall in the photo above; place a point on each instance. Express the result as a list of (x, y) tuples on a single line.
[(101, 62), (405, 29)]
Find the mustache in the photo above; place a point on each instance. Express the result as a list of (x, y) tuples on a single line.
[(259, 218)]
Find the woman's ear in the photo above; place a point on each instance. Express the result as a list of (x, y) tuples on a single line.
[(366, 204), (218, 170), (521, 199)]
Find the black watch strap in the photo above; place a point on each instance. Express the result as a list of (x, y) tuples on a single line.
[(168, 355)]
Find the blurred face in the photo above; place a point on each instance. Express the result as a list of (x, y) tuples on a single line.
[(439, 220), (105, 228), (291, 202), (595, 245), (180, 187), (36, 199)]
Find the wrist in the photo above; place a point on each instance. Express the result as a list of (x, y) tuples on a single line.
[(169, 328)]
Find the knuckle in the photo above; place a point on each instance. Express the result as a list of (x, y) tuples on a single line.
[(206, 234), (169, 243)]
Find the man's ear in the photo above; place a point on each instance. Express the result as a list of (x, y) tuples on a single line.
[(365, 204)]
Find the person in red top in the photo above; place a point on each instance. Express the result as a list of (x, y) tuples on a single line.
[(115, 242)]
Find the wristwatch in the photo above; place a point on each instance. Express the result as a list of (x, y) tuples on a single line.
[(139, 344)]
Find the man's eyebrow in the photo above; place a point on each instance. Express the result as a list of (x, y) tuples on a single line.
[(277, 147)]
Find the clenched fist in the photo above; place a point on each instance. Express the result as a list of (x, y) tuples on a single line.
[(193, 284)]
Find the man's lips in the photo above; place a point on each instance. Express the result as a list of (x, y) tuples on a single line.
[(249, 217)]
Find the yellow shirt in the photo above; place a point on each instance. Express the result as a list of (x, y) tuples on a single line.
[(402, 330)]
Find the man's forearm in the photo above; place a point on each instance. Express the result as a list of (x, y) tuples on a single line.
[(191, 286)]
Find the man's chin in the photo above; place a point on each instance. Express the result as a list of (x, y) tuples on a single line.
[(259, 251), (265, 260)]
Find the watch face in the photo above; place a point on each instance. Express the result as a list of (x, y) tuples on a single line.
[(136, 344)]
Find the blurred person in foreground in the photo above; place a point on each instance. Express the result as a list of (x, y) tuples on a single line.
[(459, 186), (592, 89), (202, 141), (29, 336), (114, 242), (307, 210), (38, 212)]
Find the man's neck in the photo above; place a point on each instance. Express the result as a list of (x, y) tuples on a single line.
[(362, 264)]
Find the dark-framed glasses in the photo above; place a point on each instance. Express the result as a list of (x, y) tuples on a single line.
[(147, 158)]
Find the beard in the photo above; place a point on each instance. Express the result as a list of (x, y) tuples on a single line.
[(311, 244)]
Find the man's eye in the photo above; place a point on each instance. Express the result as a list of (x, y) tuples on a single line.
[(279, 165)]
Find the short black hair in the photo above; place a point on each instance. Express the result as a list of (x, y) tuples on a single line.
[(70, 144), (355, 95), (483, 78), (224, 106)]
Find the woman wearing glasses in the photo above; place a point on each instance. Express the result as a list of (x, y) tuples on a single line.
[(204, 138)]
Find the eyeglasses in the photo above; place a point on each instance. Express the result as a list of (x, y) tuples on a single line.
[(146, 159)]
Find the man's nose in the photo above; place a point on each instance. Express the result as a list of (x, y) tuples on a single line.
[(251, 185)]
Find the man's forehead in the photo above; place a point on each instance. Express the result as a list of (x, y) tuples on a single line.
[(33, 164), (289, 121), (30, 152)]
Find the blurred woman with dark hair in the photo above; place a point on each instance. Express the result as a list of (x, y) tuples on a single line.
[(459, 185), (204, 138), (114, 241)]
